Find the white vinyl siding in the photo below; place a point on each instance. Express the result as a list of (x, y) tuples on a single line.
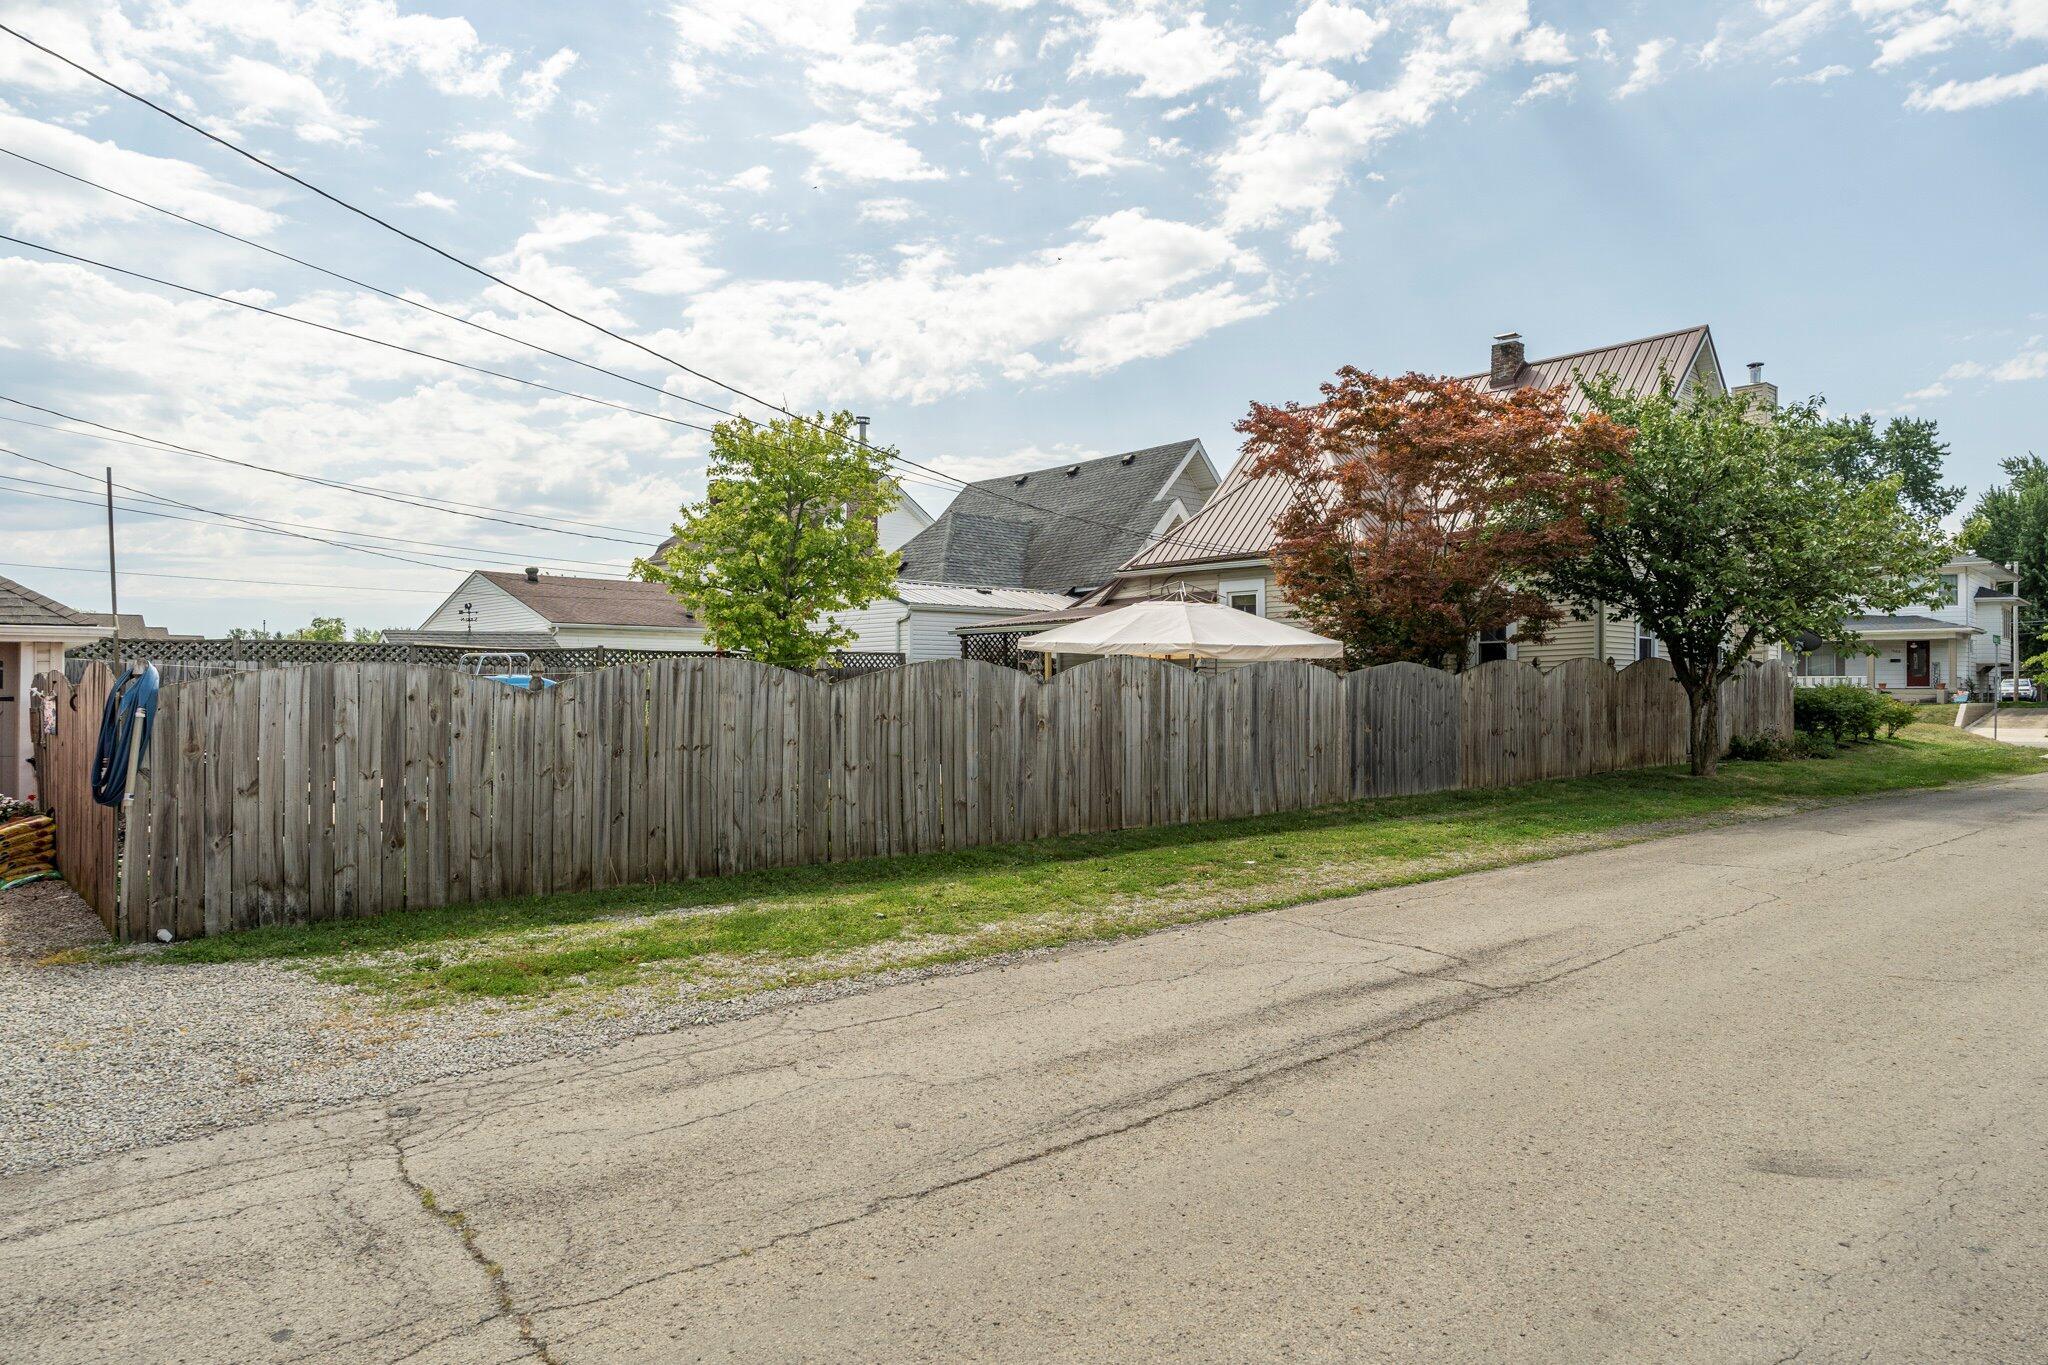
[(877, 626), (496, 609)]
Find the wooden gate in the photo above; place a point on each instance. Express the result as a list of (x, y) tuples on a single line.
[(65, 730)]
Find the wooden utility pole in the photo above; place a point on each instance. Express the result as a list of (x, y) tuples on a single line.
[(113, 579)]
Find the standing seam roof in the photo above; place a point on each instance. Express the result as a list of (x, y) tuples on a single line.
[(1238, 521)]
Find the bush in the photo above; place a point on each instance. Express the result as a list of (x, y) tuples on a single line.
[(1758, 749), (1894, 715), (1805, 745), (1842, 713)]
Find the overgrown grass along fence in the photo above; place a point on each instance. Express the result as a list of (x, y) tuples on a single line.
[(344, 790)]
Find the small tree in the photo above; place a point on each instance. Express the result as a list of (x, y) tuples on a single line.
[(1733, 532), (786, 532), (1424, 507)]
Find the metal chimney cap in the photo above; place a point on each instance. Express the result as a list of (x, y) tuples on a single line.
[(532, 574), (1507, 336), (1756, 372)]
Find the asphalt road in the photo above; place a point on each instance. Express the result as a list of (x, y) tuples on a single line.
[(1773, 1091)]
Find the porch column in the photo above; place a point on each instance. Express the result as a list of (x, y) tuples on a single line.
[(1870, 663), (1954, 678)]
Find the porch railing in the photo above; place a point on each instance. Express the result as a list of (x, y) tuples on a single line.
[(1829, 680)]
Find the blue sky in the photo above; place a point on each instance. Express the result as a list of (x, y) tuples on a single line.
[(1010, 232)]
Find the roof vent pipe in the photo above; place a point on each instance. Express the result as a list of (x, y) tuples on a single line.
[(1756, 372), (532, 574)]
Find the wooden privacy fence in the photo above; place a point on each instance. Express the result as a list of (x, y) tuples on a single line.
[(353, 789), (64, 761)]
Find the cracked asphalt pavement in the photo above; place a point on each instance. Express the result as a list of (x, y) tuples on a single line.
[(1768, 1092)]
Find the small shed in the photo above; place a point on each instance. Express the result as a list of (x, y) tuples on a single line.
[(34, 633)]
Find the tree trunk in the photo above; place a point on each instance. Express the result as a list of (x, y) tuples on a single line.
[(1703, 738)]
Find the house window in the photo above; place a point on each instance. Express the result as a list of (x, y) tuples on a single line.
[(1244, 594), (1950, 583), (1493, 644), (1646, 645)]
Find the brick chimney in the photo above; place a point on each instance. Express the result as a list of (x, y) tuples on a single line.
[(1508, 358), (1759, 393)]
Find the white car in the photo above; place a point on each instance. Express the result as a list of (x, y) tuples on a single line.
[(2018, 689)]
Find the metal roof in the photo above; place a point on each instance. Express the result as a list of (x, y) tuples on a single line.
[(968, 597), (1237, 523), (1907, 625)]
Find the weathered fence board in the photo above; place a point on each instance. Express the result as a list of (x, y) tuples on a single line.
[(359, 788), (64, 763)]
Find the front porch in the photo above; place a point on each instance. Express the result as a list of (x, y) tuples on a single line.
[(1911, 658)]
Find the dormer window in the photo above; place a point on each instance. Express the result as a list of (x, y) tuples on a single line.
[(1950, 594)]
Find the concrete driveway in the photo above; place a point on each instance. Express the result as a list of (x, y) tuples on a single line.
[(1771, 1091), (2016, 727)]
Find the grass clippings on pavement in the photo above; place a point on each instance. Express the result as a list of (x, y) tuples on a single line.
[(730, 935)]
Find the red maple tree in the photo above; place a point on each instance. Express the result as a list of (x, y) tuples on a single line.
[(1424, 506)]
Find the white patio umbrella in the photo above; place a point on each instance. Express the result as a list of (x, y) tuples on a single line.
[(1173, 629)]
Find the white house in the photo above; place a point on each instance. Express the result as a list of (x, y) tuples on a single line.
[(34, 633), (903, 521), (1957, 643), (533, 610), (917, 619)]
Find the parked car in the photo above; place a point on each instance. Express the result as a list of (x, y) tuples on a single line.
[(2018, 689)]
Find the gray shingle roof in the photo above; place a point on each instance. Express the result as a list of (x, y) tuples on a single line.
[(570, 601), (21, 605), (1067, 527)]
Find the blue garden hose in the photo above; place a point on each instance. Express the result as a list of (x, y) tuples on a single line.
[(134, 696)]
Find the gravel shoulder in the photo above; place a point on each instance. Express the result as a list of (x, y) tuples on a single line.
[(103, 1057)]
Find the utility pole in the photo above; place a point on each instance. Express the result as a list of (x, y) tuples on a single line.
[(113, 579)]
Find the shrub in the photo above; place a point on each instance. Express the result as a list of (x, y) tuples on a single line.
[(1894, 715), (1758, 748), (1840, 713), (1808, 745)]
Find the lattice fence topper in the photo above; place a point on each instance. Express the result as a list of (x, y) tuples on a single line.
[(183, 659)]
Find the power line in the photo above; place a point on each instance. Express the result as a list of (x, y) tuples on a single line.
[(242, 521), (209, 578), (571, 566), (423, 502), (355, 336), (501, 282), (349, 531)]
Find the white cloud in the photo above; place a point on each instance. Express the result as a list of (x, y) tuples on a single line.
[(1317, 240), (1545, 46), (538, 87), (1331, 32), (1955, 96), (1168, 61), (2030, 363), (886, 211), (427, 199), (1929, 393), (1818, 76), (671, 262), (753, 180), (1078, 134), (1648, 69), (854, 151), (268, 95), (1128, 286), (1550, 83), (36, 201)]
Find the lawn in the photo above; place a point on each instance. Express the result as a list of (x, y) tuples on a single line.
[(727, 935)]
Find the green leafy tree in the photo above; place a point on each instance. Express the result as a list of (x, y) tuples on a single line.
[(1909, 449), (326, 628), (2009, 524), (254, 633), (786, 532), (1734, 531)]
